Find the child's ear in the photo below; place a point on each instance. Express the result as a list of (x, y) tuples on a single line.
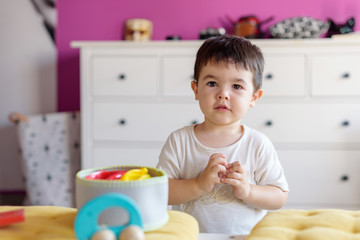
[(194, 86), (256, 96)]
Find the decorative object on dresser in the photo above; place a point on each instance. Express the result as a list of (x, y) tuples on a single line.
[(310, 109), (344, 28), (211, 32), (299, 27), (249, 26), (138, 29)]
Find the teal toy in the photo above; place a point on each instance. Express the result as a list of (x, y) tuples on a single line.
[(86, 222)]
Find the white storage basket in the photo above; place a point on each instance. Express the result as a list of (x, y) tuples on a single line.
[(50, 156)]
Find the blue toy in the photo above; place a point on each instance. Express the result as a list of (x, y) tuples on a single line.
[(86, 222)]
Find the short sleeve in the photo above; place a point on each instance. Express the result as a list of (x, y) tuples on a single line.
[(269, 170), (168, 159)]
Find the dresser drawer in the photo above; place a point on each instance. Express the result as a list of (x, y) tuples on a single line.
[(141, 122), (125, 75), (284, 75), (324, 178), (115, 156), (178, 72), (335, 75), (295, 123)]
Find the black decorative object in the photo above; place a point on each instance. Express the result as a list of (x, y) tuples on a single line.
[(173, 37), (344, 28), (212, 32)]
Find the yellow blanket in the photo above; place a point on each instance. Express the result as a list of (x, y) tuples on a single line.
[(323, 224), (56, 223)]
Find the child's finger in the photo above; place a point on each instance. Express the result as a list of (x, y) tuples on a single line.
[(218, 169), (235, 175), (236, 167), (230, 181), (217, 158)]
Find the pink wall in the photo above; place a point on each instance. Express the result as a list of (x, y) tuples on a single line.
[(104, 20)]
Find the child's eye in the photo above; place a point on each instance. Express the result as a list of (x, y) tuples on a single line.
[(212, 84), (237, 86)]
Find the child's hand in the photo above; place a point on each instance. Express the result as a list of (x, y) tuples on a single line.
[(213, 172), (238, 179)]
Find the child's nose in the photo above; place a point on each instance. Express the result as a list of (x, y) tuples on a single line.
[(223, 94)]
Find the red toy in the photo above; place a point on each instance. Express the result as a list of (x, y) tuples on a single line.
[(10, 217), (249, 26), (106, 175)]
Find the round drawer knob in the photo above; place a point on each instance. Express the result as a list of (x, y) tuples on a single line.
[(346, 75), (269, 123), (345, 123), (122, 122), (344, 178), (269, 76), (122, 76)]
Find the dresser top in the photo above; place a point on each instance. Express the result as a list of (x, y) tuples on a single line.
[(351, 41)]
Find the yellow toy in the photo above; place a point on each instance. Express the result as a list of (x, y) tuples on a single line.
[(135, 174)]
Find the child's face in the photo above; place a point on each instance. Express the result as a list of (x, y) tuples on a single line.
[(225, 92)]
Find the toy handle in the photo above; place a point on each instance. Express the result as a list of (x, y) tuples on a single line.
[(86, 222)]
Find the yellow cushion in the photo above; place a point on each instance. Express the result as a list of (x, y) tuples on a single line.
[(323, 224), (56, 223)]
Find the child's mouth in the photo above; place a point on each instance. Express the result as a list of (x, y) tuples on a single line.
[(222, 108)]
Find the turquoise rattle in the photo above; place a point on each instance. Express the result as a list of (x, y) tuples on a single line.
[(86, 222)]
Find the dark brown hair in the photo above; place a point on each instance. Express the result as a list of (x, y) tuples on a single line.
[(231, 49)]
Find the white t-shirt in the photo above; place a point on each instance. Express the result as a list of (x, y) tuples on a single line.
[(184, 157)]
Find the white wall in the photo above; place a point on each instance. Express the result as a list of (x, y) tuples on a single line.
[(27, 78)]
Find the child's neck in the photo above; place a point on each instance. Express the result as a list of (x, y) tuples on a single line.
[(216, 136)]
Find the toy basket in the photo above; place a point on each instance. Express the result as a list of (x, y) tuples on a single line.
[(150, 195)]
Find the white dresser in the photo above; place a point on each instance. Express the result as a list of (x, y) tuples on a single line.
[(133, 95)]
